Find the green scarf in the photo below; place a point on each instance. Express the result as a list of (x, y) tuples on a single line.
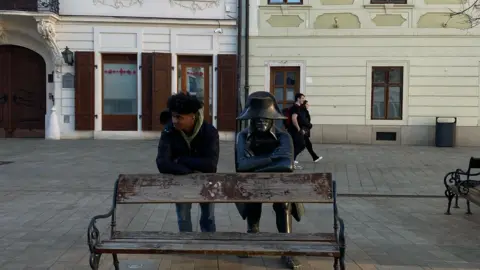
[(196, 128)]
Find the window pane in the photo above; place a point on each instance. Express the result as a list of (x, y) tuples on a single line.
[(195, 83), (291, 94), (394, 102), (179, 78), (276, 1), (279, 123), (291, 78), (278, 92), (294, 1), (279, 78), (378, 110), (395, 75), (120, 89), (378, 75)]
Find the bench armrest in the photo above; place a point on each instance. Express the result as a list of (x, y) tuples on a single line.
[(93, 234)]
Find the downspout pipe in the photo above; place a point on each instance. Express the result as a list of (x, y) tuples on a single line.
[(238, 126), (247, 46)]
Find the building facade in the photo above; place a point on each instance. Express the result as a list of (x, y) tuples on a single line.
[(129, 57), (373, 71)]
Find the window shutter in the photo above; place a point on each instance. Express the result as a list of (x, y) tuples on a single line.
[(84, 90), (162, 86), (227, 92), (147, 91)]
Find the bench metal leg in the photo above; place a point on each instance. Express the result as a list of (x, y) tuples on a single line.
[(335, 264), (116, 263), (450, 196), (95, 260), (456, 202), (468, 208)]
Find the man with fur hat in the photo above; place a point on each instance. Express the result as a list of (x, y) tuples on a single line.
[(264, 148)]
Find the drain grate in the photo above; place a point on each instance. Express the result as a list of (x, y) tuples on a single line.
[(5, 162)]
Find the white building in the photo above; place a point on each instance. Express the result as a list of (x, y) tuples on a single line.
[(373, 71), (129, 57)]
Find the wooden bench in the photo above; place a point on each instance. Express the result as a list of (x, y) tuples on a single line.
[(221, 188), (460, 184)]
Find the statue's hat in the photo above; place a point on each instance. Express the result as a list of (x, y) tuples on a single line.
[(261, 104)]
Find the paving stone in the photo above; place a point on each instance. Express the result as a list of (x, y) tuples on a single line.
[(58, 186)]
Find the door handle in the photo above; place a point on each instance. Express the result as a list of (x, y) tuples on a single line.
[(4, 99)]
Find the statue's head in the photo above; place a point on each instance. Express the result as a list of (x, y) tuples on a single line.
[(261, 109), (261, 124)]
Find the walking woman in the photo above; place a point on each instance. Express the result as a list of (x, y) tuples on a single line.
[(308, 143)]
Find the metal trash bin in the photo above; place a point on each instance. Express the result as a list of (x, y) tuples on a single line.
[(445, 131)]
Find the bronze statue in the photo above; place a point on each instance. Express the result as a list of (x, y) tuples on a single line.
[(262, 147)]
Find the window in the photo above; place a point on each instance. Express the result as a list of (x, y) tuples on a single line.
[(399, 2), (387, 93), (284, 84), (119, 75), (290, 2)]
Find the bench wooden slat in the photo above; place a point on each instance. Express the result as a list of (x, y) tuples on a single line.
[(473, 194), (267, 248), (225, 187), (226, 236)]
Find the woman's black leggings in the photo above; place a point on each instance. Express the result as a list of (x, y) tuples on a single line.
[(309, 146)]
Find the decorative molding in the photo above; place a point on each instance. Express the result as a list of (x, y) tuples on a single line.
[(3, 33), (195, 5), (118, 3), (46, 29)]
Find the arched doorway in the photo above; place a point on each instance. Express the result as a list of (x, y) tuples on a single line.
[(22, 93)]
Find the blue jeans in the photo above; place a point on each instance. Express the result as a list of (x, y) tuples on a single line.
[(207, 217)]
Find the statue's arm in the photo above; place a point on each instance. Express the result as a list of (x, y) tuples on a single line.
[(282, 157), (245, 161)]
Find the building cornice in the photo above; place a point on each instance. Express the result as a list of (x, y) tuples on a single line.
[(137, 20)]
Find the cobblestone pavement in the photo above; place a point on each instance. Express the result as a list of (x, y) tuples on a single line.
[(52, 189)]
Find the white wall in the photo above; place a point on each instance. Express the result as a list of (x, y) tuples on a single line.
[(441, 75), (211, 9), (130, 38)]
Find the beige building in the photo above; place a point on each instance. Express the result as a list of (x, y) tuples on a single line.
[(373, 72)]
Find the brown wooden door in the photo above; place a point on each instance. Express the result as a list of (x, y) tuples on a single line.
[(195, 79), (22, 93)]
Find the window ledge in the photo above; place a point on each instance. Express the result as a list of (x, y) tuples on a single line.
[(389, 6), (285, 6), (381, 122)]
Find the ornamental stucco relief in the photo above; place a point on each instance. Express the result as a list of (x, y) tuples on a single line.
[(118, 3), (195, 5), (46, 29)]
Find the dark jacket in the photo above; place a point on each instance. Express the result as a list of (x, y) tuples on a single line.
[(176, 156), (306, 121)]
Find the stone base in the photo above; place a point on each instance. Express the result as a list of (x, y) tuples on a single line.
[(399, 135)]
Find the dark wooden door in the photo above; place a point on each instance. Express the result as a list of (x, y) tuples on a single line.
[(22, 93)]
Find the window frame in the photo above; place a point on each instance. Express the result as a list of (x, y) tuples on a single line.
[(285, 2), (273, 70), (383, 2), (387, 84)]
